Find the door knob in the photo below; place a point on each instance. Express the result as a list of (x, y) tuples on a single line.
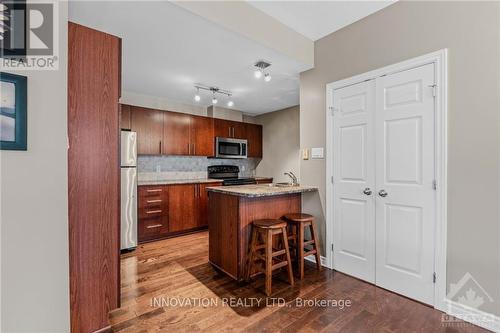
[(382, 193), (367, 191)]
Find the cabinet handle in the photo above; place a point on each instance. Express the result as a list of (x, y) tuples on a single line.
[(194, 149), (229, 131), (153, 211), (153, 201), (154, 226), (189, 149), (155, 190), (160, 146)]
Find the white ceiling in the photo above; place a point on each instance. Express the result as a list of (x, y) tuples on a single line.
[(316, 19), (167, 49)]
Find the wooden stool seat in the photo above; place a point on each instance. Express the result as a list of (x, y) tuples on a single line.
[(297, 224), (298, 217), (269, 224), (273, 257)]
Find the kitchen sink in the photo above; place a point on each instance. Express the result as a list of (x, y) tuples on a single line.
[(284, 184)]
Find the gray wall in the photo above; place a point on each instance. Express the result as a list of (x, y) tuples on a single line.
[(34, 208), (281, 143), (471, 32)]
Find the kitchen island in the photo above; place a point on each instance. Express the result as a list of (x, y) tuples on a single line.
[(231, 210)]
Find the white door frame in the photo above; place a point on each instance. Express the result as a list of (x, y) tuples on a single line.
[(439, 59)]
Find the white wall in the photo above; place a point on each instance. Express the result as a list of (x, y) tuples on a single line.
[(280, 144), (34, 208)]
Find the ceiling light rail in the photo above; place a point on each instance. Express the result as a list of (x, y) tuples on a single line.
[(214, 91)]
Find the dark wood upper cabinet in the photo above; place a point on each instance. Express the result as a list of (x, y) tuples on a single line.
[(223, 128), (239, 130), (148, 123), (176, 134), (229, 129), (125, 114), (182, 204), (254, 137), (172, 133), (202, 136), (93, 176)]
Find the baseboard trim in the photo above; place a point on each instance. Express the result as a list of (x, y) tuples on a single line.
[(471, 315), (313, 259)]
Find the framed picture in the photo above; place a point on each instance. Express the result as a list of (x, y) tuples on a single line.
[(13, 117)]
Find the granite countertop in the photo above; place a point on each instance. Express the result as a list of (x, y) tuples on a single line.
[(177, 181), (263, 190)]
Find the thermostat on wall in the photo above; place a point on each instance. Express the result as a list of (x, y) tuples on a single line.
[(317, 153)]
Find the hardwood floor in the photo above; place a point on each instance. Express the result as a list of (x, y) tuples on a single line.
[(177, 270)]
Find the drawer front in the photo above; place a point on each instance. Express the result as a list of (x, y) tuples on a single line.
[(151, 192), (152, 228), (150, 212), (152, 202)]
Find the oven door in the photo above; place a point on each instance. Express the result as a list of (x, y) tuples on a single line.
[(230, 148)]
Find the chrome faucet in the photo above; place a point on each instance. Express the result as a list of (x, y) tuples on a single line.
[(290, 174)]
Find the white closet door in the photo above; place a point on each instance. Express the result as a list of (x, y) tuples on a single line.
[(405, 198), (354, 178)]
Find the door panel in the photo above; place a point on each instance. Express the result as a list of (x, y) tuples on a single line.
[(202, 136), (404, 157), (182, 214), (254, 137), (223, 128), (354, 211), (176, 134), (239, 130), (405, 218), (148, 123), (93, 177), (353, 224), (403, 234), (353, 153)]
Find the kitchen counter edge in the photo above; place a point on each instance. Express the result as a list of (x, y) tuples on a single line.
[(255, 191)]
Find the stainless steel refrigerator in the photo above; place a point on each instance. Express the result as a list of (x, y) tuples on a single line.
[(128, 190)]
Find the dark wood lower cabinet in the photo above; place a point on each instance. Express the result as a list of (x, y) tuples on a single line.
[(152, 212), (203, 203), (168, 210), (182, 207)]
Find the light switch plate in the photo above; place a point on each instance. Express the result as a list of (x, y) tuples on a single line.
[(305, 154), (317, 153)]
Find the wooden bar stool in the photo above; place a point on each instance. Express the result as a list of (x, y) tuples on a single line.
[(297, 224), (273, 258)]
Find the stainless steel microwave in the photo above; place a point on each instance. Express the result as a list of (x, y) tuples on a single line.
[(230, 148)]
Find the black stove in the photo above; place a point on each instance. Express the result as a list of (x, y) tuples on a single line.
[(229, 175)]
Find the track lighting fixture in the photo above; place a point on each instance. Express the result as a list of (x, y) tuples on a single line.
[(259, 72), (214, 91)]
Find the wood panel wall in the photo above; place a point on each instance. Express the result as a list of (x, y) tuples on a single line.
[(93, 176)]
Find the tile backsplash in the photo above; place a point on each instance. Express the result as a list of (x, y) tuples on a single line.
[(188, 167)]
